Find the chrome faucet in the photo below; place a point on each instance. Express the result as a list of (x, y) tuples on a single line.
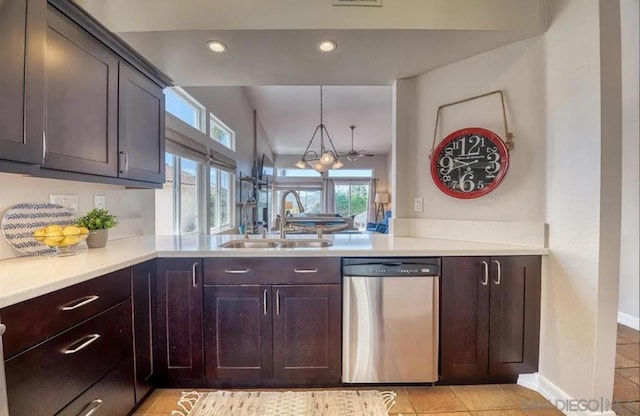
[(282, 209)]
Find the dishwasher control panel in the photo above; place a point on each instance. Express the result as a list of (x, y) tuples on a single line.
[(391, 267)]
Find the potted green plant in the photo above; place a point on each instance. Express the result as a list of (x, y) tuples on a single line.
[(97, 221)]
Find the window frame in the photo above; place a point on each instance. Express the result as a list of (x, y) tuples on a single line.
[(232, 134), (176, 194), (354, 182), (230, 225), (181, 94)]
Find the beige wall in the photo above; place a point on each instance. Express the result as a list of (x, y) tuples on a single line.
[(629, 303), (232, 106), (134, 208), (518, 70), (563, 103), (580, 280)]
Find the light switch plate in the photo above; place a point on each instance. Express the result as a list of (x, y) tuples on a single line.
[(100, 201), (417, 204), (67, 201)]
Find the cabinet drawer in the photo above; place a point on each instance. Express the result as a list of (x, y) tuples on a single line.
[(111, 396), (301, 270), (35, 320), (43, 380)]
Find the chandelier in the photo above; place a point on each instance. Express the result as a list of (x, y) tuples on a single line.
[(326, 158)]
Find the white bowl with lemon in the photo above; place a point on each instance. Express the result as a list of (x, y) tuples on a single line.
[(61, 238)]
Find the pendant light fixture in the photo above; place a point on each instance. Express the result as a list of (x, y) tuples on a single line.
[(326, 158)]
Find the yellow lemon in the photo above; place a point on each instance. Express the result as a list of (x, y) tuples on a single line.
[(83, 230), (70, 240), (41, 239), (53, 228), (41, 232), (70, 230), (51, 242)]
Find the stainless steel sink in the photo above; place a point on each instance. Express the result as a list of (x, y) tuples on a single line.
[(306, 243), (293, 243), (249, 244)]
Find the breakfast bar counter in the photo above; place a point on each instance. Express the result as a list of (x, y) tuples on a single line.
[(24, 278)]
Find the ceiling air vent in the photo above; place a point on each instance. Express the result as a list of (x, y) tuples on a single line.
[(357, 3)]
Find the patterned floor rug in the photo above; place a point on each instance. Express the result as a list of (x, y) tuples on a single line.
[(289, 403)]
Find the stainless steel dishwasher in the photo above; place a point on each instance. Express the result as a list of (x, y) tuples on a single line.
[(390, 321)]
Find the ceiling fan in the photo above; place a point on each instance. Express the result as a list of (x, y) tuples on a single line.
[(352, 154)]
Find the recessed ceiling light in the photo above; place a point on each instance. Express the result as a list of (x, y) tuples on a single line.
[(217, 46), (327, 46)]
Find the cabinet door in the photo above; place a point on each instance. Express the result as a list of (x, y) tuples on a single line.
[(464, 321), (238, 333), (81, 100), (515, 317), (22, 25), (140, 127), (179, 303), (143, 292), (307, 334)]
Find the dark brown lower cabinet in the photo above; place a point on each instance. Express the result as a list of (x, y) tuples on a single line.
[(238, 333), (111, 396), (263, 335), (490, 318), (143, 293), (46, 378), (307, 333), (179, 357)]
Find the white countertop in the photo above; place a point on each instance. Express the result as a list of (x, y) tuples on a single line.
[(28, 277)]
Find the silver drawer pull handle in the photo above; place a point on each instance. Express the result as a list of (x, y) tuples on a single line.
[(485, 267), (277, 302), (91, 408), (305, 270), (499, 279), (78, 303), (84, 343), (194, 281), (236, 271), (264, 300)]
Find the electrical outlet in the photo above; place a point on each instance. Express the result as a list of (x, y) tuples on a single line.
[(100, 201), (67, 201), (417, 204)]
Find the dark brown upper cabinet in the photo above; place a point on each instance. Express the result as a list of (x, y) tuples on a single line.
[(490, 318), (140, 127), (77, 102), (81, 133), (22, 26)]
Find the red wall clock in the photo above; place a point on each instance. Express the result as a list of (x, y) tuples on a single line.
[(469, 163)]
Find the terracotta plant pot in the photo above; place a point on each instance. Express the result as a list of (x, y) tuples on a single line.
[(97, 238)]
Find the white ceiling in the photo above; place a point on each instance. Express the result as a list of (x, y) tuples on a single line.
[(290, 114), (273, 42)]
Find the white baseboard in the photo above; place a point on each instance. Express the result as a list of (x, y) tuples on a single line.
[(629, 320), (564, 402)]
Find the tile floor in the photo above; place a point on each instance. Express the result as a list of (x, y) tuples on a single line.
[(626, 384), (488, 400)]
